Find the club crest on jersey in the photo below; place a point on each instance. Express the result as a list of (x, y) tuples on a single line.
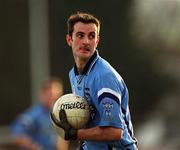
[(108, 106)]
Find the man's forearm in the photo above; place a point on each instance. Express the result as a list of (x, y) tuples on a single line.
[(25, 142), (100, 134)]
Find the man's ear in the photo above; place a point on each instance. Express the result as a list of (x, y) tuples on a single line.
[(98, 39), (68, 39)]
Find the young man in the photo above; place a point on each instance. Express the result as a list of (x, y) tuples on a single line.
[(93, 78), (32, 130)]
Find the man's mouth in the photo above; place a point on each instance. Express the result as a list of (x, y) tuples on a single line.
[(85, 48)]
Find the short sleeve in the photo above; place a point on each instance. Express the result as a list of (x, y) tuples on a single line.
[(109, 93)]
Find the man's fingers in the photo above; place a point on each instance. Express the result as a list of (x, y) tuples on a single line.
[(53, 118), (62, 116)]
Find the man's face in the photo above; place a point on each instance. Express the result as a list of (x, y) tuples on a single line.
[(51, 93), (84, 40)]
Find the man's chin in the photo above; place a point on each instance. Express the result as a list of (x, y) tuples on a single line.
[(84, 56)]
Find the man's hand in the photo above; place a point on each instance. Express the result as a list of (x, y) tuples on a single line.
[(70, 132)]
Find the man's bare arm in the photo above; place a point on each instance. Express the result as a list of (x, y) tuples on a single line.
[(100, 134)]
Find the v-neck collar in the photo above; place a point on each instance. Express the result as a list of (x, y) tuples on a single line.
[(89, 64)]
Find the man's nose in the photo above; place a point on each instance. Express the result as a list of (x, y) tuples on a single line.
[(86, 40)]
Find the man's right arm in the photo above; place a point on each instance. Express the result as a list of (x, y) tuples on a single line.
[(100, 133)]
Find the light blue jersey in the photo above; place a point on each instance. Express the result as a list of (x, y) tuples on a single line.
[(35, 123), (107, 95)]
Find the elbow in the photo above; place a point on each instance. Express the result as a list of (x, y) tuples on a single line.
[(117, 134), (120, 134)]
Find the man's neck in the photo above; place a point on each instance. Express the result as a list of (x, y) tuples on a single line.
[(80, 65)]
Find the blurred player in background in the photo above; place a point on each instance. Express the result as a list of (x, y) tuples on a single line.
[(32, 129), (93, 78)]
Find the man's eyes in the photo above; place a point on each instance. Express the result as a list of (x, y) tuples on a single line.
[(80, 36), (90, 36)]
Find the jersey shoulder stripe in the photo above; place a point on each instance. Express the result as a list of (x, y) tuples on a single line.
[(109, 93)]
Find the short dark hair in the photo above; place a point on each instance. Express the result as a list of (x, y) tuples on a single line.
[(81, 17)]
